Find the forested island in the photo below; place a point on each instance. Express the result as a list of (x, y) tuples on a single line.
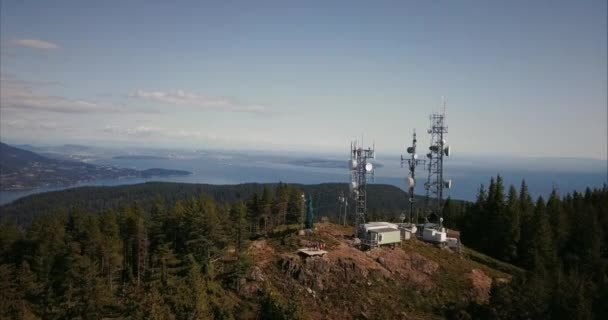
[(22, 170)]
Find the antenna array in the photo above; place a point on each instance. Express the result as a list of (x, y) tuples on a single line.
[(360, 167), (438, 149), (412, 162)]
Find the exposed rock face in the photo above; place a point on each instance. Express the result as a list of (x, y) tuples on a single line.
[(320, 273), (411, 266), (481, 285)]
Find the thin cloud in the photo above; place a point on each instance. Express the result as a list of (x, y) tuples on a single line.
[(184, 98), (36, 44), (18, 95), (150, 131)]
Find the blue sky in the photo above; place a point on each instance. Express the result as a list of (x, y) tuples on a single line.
[(520, 77)]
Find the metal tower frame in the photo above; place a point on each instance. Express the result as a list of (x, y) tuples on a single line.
[(359, 168), (438, 148), (412, 163)]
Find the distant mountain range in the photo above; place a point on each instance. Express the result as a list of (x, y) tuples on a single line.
[(21, 170)]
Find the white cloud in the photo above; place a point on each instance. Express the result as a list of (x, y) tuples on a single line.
[(184, 98), (36, 44), (18, 95)]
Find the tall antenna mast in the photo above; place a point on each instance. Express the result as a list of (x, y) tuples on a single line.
[(412, 162), (360, 166), (438, 149)]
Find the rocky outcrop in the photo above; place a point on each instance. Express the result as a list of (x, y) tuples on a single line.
[(319, 273), (481, 285)]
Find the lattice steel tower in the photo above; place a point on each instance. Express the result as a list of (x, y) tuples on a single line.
[(360, 167), (435, 181), (412, 163)]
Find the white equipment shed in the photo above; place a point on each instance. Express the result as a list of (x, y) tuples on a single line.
[(375, 234)]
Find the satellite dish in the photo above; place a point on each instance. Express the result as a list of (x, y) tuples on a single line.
[(443, 141), (410, 150), (428, 155), (415, 156), (411, 182), (353, 185), (447, 184), (369, 167), (353, 164), (446, 151)]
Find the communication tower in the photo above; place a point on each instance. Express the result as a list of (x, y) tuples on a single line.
[(360, 166), (435, 180), (412, 162)]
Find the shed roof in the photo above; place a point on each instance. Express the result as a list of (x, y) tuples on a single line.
[(383, 230)]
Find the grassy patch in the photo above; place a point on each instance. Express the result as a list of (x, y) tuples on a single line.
[(493, 263)]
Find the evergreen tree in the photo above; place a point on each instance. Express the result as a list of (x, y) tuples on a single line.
[(240, 238), (135, 240), (512, 226), (526, 251), (295, 207), (472, 233), (497, 227), (558, 220), (544, 255), (281, 200), (11, 297), (254, 213), (158, 219), (111, 247), (266, 209)]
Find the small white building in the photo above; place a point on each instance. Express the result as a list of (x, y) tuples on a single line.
[(434, 235), (375, 234), (407, 230)]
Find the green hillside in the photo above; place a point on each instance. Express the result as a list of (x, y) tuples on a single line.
[(383, 200)]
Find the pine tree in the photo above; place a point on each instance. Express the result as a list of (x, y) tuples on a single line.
[(111, 246), (254, 213), (295, 207), (240, 235), (496, 228), (30, 291), (175, 226), (240, 238), (452, 214), (135, 238), (526, 245), (10, 295), (201, 230), (281, 200), (158, 219), (544, 256), (472, 233), (512, 226), (266, 209), (558, 220)]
